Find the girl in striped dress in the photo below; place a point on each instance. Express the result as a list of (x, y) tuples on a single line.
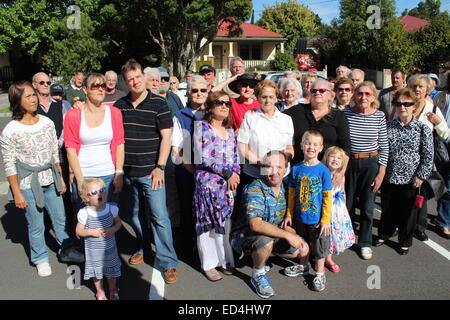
[(97, 223)]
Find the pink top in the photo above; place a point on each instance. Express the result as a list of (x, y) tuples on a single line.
[(72, 124), (238, 111)]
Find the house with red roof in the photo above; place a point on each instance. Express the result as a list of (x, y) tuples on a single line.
[(411, 23), (255, 45)]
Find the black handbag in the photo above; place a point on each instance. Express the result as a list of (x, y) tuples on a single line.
[(441, 156), (434, 186)]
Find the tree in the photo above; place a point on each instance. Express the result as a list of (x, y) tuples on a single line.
[(284, 61), (290, 19), (180, 28), (426, 9)]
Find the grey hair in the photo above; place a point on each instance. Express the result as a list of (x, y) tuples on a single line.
[(112, 73), (234, 59), (148, 71), (358, 70), (196, 79), (293, 81), (34, 79), (307, 75)]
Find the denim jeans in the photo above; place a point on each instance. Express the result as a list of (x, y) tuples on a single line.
[(166, 257), (443, 216), (359, 177), (108, 180), (35, 218)]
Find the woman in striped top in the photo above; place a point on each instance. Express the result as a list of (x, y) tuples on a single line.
[(368, 159)]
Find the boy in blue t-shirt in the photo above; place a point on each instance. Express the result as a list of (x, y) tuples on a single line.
[(309, 202)]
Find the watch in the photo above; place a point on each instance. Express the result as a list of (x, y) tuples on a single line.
[(161, 167)]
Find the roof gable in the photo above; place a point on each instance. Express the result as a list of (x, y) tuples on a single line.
[(411, 23), (249, 31)]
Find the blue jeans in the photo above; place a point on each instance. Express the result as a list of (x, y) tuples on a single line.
[(443, 216), (166, 257), (108, 180), (35, 218)]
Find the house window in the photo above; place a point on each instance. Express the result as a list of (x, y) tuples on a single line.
[(250, 51)]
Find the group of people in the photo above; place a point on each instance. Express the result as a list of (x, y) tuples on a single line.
[(260, 168)]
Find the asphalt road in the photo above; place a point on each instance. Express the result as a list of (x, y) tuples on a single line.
[(422, 274)]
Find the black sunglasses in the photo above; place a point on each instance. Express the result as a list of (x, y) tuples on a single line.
[(98, 86), (197, 90), (43, 82), (344, 89), (406, 104), (223, 102), (165, 79)]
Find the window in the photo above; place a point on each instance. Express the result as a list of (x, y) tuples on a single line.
[(250, 51)]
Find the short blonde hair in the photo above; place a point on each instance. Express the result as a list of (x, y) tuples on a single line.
[(92, 77), (333, 150), (311, 133), (375, 104), (85, 187), (415, 79), (266, 83)]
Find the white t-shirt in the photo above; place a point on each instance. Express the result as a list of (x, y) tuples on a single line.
[(95, 151), (264, 134), (85, 212)]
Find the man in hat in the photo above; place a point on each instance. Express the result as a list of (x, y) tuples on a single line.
[(57, 93), (244, 86), (209, 73)]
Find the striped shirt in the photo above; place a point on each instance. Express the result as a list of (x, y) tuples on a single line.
[(142, 127), (368, 133)]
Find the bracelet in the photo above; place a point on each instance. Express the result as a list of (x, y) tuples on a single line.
[(120, 171)]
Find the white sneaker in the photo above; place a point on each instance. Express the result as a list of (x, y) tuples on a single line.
[(44, 269), (366, 253)]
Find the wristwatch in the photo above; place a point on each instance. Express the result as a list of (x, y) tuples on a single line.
[(161, 167)]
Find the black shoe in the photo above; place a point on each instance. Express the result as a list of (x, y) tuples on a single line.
[(379, 243), (421, 236), (403, 252)]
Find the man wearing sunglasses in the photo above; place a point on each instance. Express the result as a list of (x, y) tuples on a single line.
[(75, 92)]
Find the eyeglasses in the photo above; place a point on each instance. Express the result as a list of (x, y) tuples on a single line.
[(166, 79), (97, 86), (95, 192), (197, 90), (45, 82), (344, 89), (172, 83), (362, 93), (252, 85), (322, 91), (223, 102), (406, 104)]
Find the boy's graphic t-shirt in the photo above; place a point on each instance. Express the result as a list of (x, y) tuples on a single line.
[(310, 193)]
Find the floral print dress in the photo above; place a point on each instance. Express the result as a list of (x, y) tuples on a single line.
[(342, 236), (219, 159)]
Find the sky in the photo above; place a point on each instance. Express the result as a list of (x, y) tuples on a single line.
[(329, 9)]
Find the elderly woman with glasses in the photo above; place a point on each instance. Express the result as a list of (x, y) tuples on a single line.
[(409, 165), (216, 179), (244, 85), (94, 140), (368, 159), (320, 116), (182, 151), (291, 91), (344, 92)]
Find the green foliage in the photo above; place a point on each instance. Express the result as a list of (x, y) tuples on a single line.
[(284, 61), (291, 20), (426, 9)]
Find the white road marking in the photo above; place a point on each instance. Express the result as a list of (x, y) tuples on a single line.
[(157, 286)]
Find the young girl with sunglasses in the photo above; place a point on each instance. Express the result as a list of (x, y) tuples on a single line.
[(97, 224)]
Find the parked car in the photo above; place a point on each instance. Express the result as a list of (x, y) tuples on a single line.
[(275, 76)]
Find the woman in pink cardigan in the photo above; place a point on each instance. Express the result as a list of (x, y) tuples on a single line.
[(94, 139)]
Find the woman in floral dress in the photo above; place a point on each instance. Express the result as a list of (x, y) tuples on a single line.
[(216, 180)]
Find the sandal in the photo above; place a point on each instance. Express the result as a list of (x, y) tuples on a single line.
[(114, 294), (100, 296), (333, 267)]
